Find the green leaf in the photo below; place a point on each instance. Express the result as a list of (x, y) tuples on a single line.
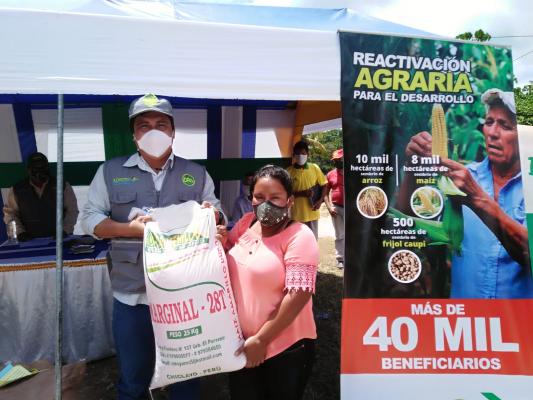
[(453, 224), (446, 186)]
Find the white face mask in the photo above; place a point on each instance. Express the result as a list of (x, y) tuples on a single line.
[(155, 143), (300, 159)]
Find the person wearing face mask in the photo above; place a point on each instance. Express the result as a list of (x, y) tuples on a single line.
[(335, 204), (152, 177), (494, 260), (272, 262), (243, 203), (309, 185), (31, 203)]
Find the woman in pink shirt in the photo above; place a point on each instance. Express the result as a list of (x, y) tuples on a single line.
[(273, 262)]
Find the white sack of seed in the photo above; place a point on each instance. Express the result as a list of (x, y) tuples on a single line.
[(193, 312)]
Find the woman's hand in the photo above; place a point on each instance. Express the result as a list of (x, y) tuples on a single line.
[(255, 351), (222, 234), (332, 211)]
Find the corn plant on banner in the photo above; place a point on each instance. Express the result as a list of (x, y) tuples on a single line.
[(438, 279), (193, 312)]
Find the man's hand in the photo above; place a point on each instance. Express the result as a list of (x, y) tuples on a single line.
[(207, 204), (462, 178), (138, 224), (317, 205), (255, 351), (24, 237), (420, 144), (332, 211)]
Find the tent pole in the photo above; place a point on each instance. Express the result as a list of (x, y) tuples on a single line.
[(59, 248)]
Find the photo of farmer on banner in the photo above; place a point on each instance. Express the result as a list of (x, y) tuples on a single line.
[(492, 259)]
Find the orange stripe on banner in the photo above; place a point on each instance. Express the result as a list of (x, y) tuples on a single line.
[(52, 264), (442, 336)]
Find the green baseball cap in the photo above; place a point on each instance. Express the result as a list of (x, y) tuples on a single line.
[(150, 102)]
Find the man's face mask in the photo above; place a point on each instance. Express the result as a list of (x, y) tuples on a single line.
[(268, 214), (300, 159), (339, 164), (155, 143)]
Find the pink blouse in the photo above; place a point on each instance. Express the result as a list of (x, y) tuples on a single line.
[(263, 269)]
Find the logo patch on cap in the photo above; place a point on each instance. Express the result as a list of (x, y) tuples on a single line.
[(150, 100), (188, 180)]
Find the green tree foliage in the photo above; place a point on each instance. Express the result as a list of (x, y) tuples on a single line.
[(322, 145), (523, 95), (479, 36), (524, 104)]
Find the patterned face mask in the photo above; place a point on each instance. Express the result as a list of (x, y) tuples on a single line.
[(268, 214)]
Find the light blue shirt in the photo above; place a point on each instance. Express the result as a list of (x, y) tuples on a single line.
[(485, 269), (98, 207), (242, 205)]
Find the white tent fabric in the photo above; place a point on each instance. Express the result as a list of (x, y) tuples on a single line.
[(83, 139), (114, 47)]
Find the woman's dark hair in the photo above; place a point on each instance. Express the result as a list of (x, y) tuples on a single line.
[(273, 172), (301, 145)]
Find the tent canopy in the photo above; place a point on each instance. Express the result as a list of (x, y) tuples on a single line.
[(176, 49), (246, 77)]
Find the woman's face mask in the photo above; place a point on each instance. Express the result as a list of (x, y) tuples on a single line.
[(155, 143), (268, 214), (300, 159)]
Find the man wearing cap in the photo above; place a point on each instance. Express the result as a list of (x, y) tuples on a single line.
[(335, 203), (31, 203), (494, 262), (152, 177)]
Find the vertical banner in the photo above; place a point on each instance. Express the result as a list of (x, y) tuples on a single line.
[(525, 137), (438, 281)]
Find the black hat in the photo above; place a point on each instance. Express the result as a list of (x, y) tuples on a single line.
[(37, 161)]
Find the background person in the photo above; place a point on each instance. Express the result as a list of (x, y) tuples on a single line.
[(494, 262), (309, 186), (152, 177), (31, 203), (335, 203), (272, 262), (243, 203)]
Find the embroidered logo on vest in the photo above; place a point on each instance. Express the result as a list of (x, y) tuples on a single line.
[(188, 180), (125, 181)]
